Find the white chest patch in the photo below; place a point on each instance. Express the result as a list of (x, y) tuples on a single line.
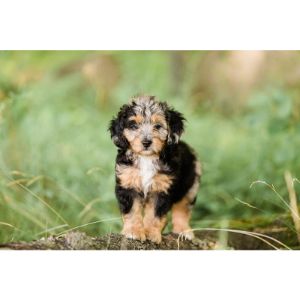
[(148, 168)]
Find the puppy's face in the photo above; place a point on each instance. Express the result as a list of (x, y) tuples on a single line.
[(146, 132), (145, 126)]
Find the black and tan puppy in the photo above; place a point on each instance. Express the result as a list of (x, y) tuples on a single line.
[(155, 172)]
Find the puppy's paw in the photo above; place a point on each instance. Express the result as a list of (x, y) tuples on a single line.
[(186, 234), (134, 233), (154, 236)]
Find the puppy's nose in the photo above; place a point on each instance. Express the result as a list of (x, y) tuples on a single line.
[(146, 143)]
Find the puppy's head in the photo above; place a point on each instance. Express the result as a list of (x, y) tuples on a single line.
[(145, 126)]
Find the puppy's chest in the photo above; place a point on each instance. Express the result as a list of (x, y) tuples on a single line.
[(145, 175), (148, 168)]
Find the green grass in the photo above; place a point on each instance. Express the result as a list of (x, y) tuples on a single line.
[(57, 159)]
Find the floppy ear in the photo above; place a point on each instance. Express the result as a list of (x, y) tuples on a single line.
[(176, 127), (116, 128)]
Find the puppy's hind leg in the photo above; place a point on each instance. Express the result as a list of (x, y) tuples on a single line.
[(182, 210), (181, 214)]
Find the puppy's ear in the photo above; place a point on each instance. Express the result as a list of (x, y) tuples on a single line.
[(176, 126), (116, 128)]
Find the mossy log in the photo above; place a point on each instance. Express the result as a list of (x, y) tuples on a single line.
[(76, 240), (274, 232), (206, 241)]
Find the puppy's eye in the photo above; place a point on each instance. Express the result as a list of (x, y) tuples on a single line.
[(133, 125), (157, 126)]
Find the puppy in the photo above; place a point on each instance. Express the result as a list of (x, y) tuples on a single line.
[(155, 172)]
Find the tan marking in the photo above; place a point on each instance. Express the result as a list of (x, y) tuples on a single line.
[(136, 145), (133, 227), (158, 118), (137, 118), (181, 214), (134, 140), (161, 183), (129, 177), (157, 144), (153, 225), (192, 192), (129, 134)]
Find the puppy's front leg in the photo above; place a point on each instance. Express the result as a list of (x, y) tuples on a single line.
[(155, 218), (131, 209)]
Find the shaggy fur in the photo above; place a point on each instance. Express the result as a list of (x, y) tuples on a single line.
[(155, 172)]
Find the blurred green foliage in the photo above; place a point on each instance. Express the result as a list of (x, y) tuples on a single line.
[(57, 159)]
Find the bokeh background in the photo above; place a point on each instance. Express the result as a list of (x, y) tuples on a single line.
[(57, 159)]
